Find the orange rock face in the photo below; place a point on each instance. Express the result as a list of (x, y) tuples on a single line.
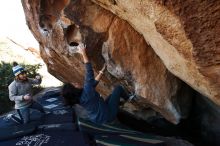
[(143, 43)]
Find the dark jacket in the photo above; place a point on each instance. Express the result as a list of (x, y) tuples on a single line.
[(91, 100)]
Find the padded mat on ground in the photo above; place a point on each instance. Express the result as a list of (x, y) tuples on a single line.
[(6, 120), (58, 113), (10, 129), (55, 127), (48, 138), (57, 118), (117, 134), (92, 128), (18, 130), (127, 140), (51, 101)]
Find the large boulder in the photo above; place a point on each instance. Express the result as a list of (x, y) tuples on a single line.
[(146, 45)]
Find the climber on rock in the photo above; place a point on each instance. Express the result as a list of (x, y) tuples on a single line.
[(99, 110), (20, 91)]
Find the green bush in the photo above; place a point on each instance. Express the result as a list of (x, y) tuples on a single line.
[(6, 77)]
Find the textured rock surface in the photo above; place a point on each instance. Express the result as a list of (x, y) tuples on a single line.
[(182, 37), (184, 34)]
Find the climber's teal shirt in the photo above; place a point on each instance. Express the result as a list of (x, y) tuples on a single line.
[(91, 100)]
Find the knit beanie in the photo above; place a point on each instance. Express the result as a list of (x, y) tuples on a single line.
[(17, 70)]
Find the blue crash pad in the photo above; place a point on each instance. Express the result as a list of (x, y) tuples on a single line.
[(127, 140), (17, 131), (57, 118), (6, 121), (116, 134), (11, 129), (51, 103), (93, 129), (55, 127), (48, 138), (58, 127)]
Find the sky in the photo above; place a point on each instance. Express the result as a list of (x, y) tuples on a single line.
[(13, 24)]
